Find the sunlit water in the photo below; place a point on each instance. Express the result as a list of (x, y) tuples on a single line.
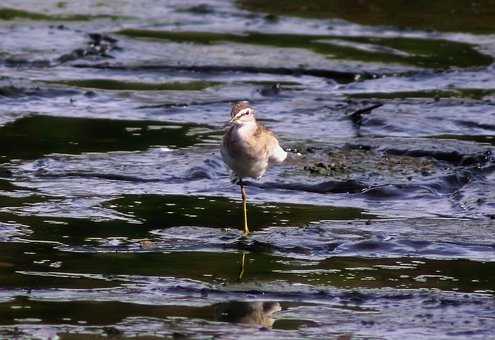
[(117, 216)]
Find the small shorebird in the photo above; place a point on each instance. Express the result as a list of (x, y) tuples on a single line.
[(248, 148)]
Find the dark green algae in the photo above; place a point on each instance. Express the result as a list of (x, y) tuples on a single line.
[(35, 136), (9, 14), (428, 53), (168, 211), (467, 93), (120, 85), (98, 268), (441, 15)]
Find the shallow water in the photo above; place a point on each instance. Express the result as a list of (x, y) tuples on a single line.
[(117, 216)]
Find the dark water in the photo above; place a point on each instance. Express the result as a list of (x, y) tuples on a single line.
[(117, 216)]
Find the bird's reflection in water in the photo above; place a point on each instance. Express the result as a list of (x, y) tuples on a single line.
[(243, 266), (250, 313)]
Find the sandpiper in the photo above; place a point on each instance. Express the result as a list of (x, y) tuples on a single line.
[(248, 148)]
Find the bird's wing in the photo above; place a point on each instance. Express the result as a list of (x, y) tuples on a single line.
[(275, 152), (278, 155)]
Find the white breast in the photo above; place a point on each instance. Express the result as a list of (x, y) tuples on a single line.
[(243, 166)]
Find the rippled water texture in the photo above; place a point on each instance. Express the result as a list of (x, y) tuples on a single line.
[(117, 216)]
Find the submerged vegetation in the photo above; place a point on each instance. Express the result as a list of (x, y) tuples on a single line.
[(10, 14), (417, 52), (117, 85), (440, 15)]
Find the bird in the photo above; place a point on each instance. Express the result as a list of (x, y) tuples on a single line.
[(248, 313), (248, 148)]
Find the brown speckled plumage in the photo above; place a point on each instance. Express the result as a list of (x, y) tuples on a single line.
[(238, 107), (248, 148)]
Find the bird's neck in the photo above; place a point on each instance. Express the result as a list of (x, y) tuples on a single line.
[(246, 130)]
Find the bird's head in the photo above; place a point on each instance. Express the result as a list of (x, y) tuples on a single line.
[(242, 113)]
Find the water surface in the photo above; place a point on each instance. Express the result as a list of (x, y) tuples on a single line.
[(117, 215)]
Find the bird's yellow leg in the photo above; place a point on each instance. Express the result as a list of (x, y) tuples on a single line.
[(244, 207)]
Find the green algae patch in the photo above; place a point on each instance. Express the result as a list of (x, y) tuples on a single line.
[(476, 94), (217, 212), (118, 85), (481, 139), (35, 136), (441, 15), (426, 53), (12, 14)]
